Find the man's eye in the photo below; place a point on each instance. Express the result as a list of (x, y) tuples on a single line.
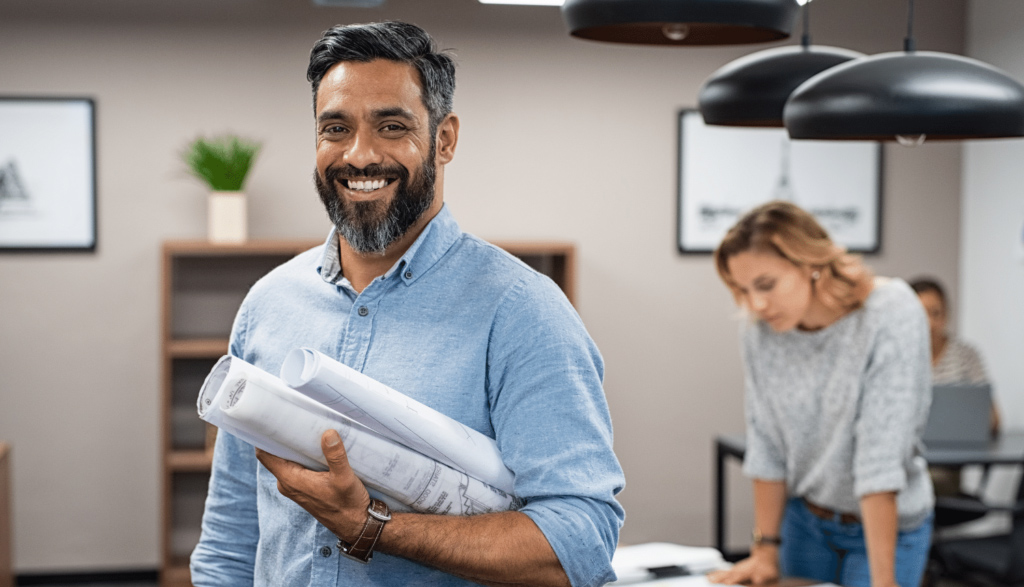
[(392, 128), (334, 129)]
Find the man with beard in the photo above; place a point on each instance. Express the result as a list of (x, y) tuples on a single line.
[(401, 294)]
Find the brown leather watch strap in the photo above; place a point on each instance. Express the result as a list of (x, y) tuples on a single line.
[(362, 549)]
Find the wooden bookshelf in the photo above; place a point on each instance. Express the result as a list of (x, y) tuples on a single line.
[(203, 285)]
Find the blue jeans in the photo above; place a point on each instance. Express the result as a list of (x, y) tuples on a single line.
[(831, 551)]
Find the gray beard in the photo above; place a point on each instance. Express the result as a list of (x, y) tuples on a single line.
[(363, 225)]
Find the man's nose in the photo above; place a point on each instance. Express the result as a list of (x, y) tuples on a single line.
[(363, 150)]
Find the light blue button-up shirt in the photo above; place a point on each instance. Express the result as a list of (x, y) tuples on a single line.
[(465, 328)]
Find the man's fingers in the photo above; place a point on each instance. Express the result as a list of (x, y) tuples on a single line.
[(273, 463), (292, 478), (334, 451)]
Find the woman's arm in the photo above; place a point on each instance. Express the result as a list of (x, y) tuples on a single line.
[(763, 564), (881, 528)]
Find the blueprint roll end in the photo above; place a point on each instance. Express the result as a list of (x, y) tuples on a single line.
[(300, 366)]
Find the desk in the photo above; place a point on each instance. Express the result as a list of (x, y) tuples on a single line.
[(1008, 449)]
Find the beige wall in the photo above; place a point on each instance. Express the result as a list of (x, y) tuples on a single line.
[(992, 248), (561, 139)]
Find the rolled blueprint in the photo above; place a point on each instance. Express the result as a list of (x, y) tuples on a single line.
[(208, 405), (260, 409), (396, 416)]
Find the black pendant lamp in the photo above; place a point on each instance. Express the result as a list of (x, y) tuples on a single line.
[(907, 96), (752, 90), (680, 22)]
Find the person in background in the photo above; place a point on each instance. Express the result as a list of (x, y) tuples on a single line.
[(953, 361), (838, 388)]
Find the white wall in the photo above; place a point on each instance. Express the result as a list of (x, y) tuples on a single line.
[(561, 139), (992, 215)]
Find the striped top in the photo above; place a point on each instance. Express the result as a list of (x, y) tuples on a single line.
[(959, 363)]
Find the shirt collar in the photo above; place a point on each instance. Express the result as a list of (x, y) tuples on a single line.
[(329, 266), (437, 237)]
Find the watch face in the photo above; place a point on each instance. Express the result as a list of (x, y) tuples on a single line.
[(378, 509)]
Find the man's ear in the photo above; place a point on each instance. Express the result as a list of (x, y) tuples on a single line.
[(447, 138)]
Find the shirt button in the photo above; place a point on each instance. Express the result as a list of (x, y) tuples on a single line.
[(408, 274), (363, 310), (325, 551)]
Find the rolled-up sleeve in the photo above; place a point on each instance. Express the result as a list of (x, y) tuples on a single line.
[(895, 398), (553, 427)]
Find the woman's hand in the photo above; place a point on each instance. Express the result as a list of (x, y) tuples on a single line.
[(762, 567)]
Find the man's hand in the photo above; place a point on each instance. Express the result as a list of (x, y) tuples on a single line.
[(762, 567), (336, 498), (504, 548)]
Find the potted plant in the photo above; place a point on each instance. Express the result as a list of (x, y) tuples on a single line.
[(223, 163)]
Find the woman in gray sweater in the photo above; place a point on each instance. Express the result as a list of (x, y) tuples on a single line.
[(838, 385)]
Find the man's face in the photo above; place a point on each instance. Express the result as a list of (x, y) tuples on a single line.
[(375, 154)]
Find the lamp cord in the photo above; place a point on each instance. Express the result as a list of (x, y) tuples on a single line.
[(805, 40), (908, 43)]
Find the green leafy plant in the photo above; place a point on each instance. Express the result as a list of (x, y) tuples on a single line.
[(221, 162)]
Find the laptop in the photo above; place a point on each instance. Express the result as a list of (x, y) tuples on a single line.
[(961, 414)]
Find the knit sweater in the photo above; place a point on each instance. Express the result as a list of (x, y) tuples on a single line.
[(838, 413)]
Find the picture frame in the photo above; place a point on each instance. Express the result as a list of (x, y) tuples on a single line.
[(47, 174), (725, 171)]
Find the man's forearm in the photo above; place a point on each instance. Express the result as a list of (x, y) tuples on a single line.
[(493, 549), (504, 548)]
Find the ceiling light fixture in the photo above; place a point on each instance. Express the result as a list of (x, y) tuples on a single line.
[(680, 22), (525, 2), (349, 3), (752, 90), (907, 96)]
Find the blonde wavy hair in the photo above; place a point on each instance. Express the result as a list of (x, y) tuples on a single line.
[(787, 230)]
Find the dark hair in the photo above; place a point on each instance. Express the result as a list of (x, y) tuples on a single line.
[(923, 284), (395, 41)]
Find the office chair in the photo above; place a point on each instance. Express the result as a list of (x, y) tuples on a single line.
[(964, 507), (998, 558)]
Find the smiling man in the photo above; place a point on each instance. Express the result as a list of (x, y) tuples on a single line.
[(401, 294)]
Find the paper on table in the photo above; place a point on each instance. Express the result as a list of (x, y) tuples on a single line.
[(632, 563), (396, 416), (260, 409)]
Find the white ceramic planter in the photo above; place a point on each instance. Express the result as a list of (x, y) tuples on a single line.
[(226, 219)]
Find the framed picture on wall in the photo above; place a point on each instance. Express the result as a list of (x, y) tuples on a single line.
[(47, 174), (725, 171)]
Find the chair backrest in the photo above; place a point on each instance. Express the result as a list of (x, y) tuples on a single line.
[(1015, 571)]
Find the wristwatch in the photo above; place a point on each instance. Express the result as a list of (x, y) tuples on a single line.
[(361, 550), (760, 539)]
